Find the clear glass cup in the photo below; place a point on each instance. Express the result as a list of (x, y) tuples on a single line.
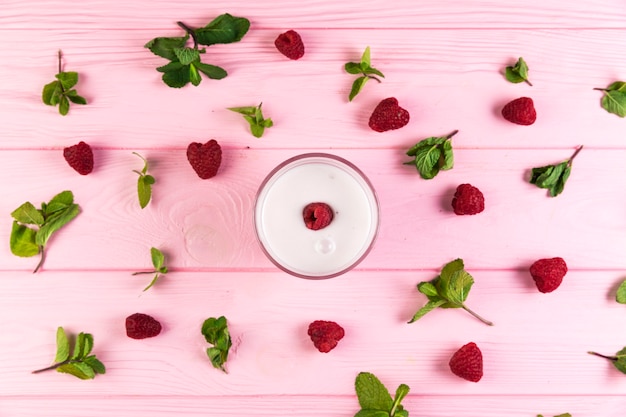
[(279, 222)]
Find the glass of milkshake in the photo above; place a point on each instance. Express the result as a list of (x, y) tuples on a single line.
[(280, 218)]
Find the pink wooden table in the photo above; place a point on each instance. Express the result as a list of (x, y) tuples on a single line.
[(443, 60)]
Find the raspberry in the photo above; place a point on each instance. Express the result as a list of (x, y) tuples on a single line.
[(468, 200), (290, 44), (388, 115), (467, 362), (205, 159), (548, 273), (79, 157), (520, 111), (317, 215), (141, 326), (325, 334)]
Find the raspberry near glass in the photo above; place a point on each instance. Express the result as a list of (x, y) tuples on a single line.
[(329, 251)]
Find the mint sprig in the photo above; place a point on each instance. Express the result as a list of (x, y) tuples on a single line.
[(560, 415), (375, 400), (144, 183), (254, 116), (215, 331), (32, 227), (620, 296), (553, 177), (185, 65), (614, 99), (518, 73), (432, 155), (158, 261), (61, 92), (448, 290), (365, 69), (75, 360), (618, 360)]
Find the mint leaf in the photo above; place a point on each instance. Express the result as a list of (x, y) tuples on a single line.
[(614, 99), (74, 360), (215, 331), (375, 400), (448, 290), (158, 261), (553, 177), (27, 241), (518, 73), (63, 346), (364, 69), (185, 65), (144, 183), (432, 155), (223, 29), (254, 117), (60, 92), (620, 297)]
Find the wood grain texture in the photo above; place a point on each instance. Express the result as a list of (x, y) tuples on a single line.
[(446, 79), (287, 14), (537, 346)]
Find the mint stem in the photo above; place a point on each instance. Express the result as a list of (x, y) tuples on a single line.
[(528, 82), (487, 322), (571, 159), (41, 259), (60, 56), (191, 33), (373, 78), (611, 358), (55, 366), (452, 134), (144, 272)]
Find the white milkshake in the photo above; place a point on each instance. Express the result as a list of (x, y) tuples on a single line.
[(280, 225)]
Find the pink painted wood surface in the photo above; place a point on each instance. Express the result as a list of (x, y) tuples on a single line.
[(443, 60)]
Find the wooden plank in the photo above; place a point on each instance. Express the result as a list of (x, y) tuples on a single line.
[(313, 406), (446, 79), (537, 346), (208, 224), (286, 14)]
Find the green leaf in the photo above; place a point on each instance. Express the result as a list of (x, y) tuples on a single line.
[(55, 222), (68, 79), (257, 130), (144, 189), (215, 331), (78, 369), (620, 363), (172, 66), (372, 413), (357, 86), (22, 241), (551, 177), (177, 78), (458, 288), (28, 214), (59, 202), (428, 307), (63, 346), (186, 55), (223, 29), (95, 364), (83, 346), (353, 68), (450, 268), (64, 105), (432, 155), (212, 71), (366, 58), (372, 71), (75, 98), (247, 110), (401, 413), (620, 297), (194, 76), (617, 86), (50, 91), (218, 357), (158, 259), (164, 47), (517, 73), (371, 393), (614, 101), (212, 328), (401, 392), (428, 289)]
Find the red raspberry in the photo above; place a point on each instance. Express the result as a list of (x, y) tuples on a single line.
[(290, 44), (467, 362), (205, 159), (317, 215), (325, 334), (520, 111), (548, 273), (80, 157), (141, 326), (388, 115), (468, 200)]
